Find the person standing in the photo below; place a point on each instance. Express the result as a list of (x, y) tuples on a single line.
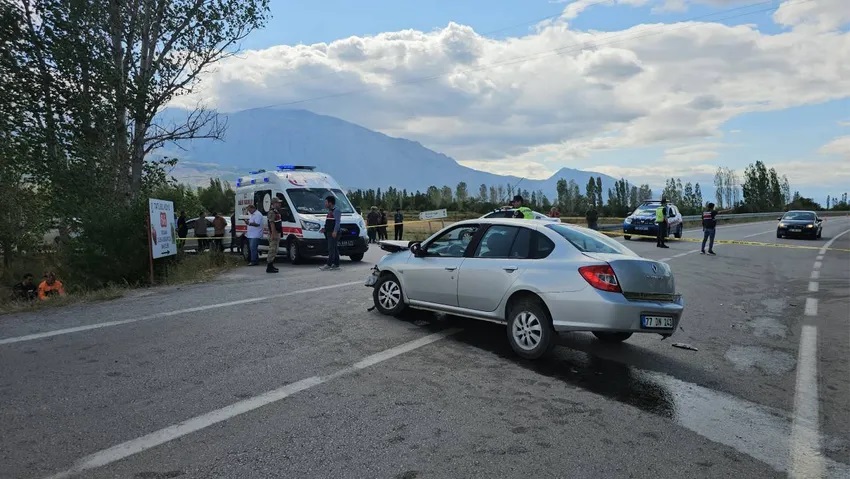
[(333, 221), (219, 227), (522, 211), (662, 216), (254, 234), (382, 230), (592, 217), (709, 227), (201, 231), (372, 222), (398, 224), (233, 243), (182, 230), (275, 231), (554, 212)]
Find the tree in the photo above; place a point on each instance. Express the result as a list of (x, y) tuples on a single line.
[(482, 193), (434, 197), (446, 196), (561, 189), (719, 187), (644, 193), (688, 199), (757, 187), (461, 193), (217, 197), (590, 190), (494, 195), (598, 191)]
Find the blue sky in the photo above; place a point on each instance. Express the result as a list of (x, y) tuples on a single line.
[(790, 136)]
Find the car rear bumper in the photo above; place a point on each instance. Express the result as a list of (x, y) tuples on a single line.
[(594, 310)]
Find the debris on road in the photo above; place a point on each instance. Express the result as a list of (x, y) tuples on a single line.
[(685, 346)]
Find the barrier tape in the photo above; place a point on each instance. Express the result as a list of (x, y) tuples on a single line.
[(733, 242)]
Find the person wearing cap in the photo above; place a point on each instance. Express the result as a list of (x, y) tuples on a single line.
[(521, 210), (275, 231)]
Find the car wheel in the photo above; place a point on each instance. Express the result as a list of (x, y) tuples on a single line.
[(293, 253), (356, 257), (627, 237), (530, 331), (246, 250), (678, 234), (778, 234), (612, 337), (387, 296)]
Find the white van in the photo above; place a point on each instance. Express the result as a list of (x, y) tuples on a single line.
[(302, 192)]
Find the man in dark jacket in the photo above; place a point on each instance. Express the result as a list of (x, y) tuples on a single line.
[(333, 221), (398, 220), (373, 220), (26, 290)]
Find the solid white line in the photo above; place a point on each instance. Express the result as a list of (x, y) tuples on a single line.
[(686, 253), (813, 286), (664, 260), (170, 433), (818, 264), (815, 274), (806, 460), (77, 329), (811, 307)]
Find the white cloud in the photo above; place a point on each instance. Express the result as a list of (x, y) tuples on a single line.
[(839, 147), (554, 97)]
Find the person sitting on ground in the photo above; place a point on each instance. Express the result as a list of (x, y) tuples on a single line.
[(26, 290), (50, 287)]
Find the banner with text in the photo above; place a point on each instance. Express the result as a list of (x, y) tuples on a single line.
[(163, 233)]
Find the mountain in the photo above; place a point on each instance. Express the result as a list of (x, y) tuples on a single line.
[(356, 156)]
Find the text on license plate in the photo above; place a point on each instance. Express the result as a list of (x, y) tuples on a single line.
[(642, 228), (346, 243), (795, 230), (659, 322)]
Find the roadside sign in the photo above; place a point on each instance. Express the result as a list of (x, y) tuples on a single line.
[(433, 214), (163, 237)]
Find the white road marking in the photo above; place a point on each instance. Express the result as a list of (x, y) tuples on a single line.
[(89, 327), (759, 234), (815, 274), (685, 254), (819, 258), (664, 260), (813, 286), (818, 264), (806, 460), (811, 307), (170, 433)]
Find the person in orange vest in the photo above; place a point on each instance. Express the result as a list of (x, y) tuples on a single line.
[(50, 287)]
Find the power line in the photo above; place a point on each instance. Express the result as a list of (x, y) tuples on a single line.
[(556, 52)]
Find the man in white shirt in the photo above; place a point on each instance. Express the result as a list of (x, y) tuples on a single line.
[(254, 234)]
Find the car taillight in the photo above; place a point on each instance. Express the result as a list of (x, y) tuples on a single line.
[(601, 277)]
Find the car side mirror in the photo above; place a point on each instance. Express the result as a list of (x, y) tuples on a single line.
[(779, 219), (417, 250)]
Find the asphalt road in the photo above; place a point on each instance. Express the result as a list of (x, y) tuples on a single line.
[(288, 375)]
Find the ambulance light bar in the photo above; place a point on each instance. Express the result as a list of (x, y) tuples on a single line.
[(296, 167)]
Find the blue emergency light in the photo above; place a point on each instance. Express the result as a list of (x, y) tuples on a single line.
[(295, 167)]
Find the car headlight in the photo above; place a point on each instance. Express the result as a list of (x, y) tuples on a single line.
[(810, 226), (310, 226), (781, 225), (628, 220)]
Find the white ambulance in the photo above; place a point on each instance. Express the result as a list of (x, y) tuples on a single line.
[(302, 192)]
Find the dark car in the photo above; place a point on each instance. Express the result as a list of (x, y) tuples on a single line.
[(800, 223)]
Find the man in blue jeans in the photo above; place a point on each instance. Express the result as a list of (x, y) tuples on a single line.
[(254, 234), (331, 230), (709, 228)]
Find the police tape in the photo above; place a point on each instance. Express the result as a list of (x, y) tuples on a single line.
[(731, 242)]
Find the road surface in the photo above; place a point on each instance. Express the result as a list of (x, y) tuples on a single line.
[(256, 375)]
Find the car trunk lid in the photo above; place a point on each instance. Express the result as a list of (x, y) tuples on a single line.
[(640, 278)]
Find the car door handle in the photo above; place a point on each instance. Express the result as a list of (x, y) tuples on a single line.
[(510, 269), (450, 268)]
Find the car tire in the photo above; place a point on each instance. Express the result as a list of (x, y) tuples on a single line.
[(627, 237), (530, 331), (293, 253), (246, 250), (388, 296), (678, 234), (356, 258), (778, 234), (612, 337)]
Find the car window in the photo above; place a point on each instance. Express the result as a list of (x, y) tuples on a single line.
[(589, 241), (542, 245), (521, 248), (453, 242), (497, 242), (799, 215)]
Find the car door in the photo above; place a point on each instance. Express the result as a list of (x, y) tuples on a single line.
[(495, 265), (432, 278)]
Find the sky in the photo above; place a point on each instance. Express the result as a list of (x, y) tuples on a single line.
[(643, 89)]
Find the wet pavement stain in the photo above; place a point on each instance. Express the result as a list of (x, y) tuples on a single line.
[(769, 361), (752, 429)]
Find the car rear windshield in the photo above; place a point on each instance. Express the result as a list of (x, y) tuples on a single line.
[(799, 215), (312, 200), (589, 241)]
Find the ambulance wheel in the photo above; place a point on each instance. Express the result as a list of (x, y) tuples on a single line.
[(293, 253), (387, 296), (356, 257)]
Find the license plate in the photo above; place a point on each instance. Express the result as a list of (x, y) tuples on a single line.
[(371, 280), (642, 228), (346, 243), (656, 322), (795, 230)]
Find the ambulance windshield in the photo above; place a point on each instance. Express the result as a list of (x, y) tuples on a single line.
[(311, 201)]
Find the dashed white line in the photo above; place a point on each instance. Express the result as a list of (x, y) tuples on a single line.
[(157, 438), (819, 258), (815, 274), (811, 307), (806, 460), (813, 286), (89, 327), (818, 264)]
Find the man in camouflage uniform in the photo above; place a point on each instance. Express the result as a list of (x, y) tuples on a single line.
[(275, 230)]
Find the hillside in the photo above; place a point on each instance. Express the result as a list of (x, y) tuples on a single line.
[(356, 156)]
